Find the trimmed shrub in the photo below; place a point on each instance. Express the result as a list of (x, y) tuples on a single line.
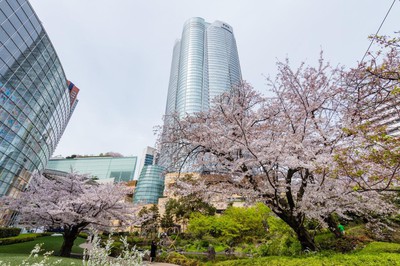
[(138, 241), (14, 240), (83, 235), (178, 259), (116, 249), (9, 231)]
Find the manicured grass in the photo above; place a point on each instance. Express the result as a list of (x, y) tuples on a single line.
[(49, 243), (16, 259), (16, 253), (380, 247), (376, 253)]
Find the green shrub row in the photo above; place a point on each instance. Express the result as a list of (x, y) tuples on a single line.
[(178, 259), (22, 238), (83, 235), (9, 231), (14, 240)]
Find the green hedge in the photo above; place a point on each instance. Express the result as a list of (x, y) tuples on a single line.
[(22, 238), (14, 240), (178, 259), (9, 231)]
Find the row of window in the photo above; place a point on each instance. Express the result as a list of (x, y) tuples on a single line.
[(150, 185), (33, 94)]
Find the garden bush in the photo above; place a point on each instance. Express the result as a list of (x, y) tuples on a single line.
[(178, 259), (14, 240), (278, 247), (136, 240), (9, 231), (83, 235), (116, 249)]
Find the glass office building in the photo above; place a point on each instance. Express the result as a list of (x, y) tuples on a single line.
[(103, 169), (205, 63), (150, 185), (35, 102)]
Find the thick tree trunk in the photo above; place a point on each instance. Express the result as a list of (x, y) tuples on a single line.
[(333, 225), (306, 240), (70, 234)]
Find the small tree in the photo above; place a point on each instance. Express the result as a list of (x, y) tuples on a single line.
[(72, 202), (181, 209), (150, 223), (167, 220)]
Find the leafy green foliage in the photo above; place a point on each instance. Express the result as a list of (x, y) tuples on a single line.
[(244, 228), (9, 231), (151, 224), (21, 238), (178, 259), (234, 226), (14, 240), (180, 210), (375, 253)]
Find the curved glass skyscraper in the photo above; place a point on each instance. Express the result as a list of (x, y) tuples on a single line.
[(205, 63), (150, 185), (35, 101)]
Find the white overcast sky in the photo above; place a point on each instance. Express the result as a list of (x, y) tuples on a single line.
[(119, 53)]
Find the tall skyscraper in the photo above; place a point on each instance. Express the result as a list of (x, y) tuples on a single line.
[(205, 63), (35, 102)]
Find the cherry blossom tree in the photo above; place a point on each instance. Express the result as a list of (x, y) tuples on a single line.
[(291, 150), (72, 202), (372, 99)]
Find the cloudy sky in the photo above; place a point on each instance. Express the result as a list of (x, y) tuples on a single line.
[(119, 53)]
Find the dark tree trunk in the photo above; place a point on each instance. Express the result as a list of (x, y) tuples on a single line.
[(285, 208), (306, 240), (295, 222), (70, 234), (333, 225)]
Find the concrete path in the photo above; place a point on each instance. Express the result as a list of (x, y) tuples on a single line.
[(85, 245)]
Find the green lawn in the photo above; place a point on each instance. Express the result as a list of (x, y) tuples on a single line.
[(375, 253), (15, 253), (16, 259)]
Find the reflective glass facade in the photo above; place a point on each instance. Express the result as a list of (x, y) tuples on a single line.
[(150, 185), (34, 98), (119, 169), (205, 63)]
